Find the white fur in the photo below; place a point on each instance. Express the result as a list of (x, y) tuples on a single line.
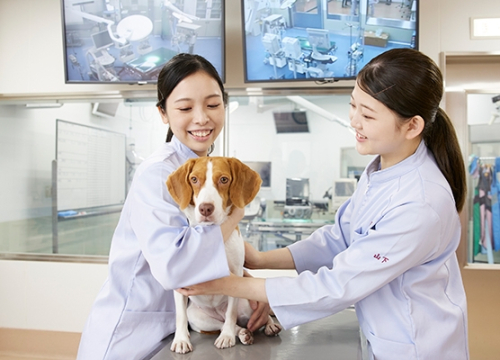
[(215, 312)]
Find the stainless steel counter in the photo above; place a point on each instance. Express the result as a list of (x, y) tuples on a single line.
[(334, 337)]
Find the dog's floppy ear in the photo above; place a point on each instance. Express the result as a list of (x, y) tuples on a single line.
[(178, 184), (245, 184)]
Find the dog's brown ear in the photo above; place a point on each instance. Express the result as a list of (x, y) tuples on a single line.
[(245, 184), (178, 184)]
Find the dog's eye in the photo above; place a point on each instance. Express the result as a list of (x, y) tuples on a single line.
[(194, 179), (224, 180)]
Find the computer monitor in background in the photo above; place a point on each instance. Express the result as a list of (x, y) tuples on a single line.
[(342, 190), (102, 40)]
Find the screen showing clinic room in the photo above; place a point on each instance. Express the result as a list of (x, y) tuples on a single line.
[(129, 41), (322, 40)]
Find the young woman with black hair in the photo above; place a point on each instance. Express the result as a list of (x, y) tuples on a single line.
[(154, 250), (391, 251)]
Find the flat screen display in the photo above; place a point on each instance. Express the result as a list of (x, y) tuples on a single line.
[(129, 41), (322, 41)]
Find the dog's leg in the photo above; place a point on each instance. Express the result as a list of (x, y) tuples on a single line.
[(244, 313), (227, 338), (272, 328), (181, 343)]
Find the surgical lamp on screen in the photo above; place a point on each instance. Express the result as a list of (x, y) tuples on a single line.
[(99, 20)]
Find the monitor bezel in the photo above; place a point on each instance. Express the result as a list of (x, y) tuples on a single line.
[(308, 81), (223, 74)]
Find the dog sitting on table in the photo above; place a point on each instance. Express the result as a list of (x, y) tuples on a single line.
[(206, 188)]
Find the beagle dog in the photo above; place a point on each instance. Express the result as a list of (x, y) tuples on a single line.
[(206, 189)]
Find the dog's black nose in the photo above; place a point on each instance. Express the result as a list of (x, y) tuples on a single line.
[(206, 209)]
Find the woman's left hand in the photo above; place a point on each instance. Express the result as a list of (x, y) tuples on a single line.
[(260, 315)]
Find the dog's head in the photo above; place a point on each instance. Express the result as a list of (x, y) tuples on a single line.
[(207, 187)]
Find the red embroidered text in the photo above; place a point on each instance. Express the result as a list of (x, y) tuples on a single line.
[(383, 259)]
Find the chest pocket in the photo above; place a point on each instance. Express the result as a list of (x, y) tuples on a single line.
[(363, 230)]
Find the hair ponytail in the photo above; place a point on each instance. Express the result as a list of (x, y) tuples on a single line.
[(409, 83), (169, 135), (441, 139)]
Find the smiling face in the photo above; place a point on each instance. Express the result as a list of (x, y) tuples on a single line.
[(380, 131), (195, 111)]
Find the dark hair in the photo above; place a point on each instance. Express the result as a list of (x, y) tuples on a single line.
[(410, 83), (177, 69)]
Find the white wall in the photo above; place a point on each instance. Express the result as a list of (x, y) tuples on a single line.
[(47, 295), (57, 296)]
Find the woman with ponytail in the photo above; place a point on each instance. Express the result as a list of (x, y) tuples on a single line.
[(391, 251)]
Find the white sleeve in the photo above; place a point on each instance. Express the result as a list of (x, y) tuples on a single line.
[(178, 255), (324, 244), (406, 236)]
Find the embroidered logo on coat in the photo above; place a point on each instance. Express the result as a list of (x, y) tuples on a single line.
[(382, 259)]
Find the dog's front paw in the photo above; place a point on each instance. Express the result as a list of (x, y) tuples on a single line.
[(225, 341), (246, 337), (181, 346), (272, 329)]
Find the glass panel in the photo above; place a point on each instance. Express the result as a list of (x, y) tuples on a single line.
[(484, 178), (404, 10), (28, 139), (297, 145), (307, 6), (343, 7)]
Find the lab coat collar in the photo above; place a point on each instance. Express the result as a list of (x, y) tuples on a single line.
[(182, 149), (401, 168)]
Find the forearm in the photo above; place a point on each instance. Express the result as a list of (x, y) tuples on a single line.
[(277, 259), (245, 288), (241, 287)]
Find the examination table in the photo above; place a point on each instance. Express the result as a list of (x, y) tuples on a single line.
[(334, 337)]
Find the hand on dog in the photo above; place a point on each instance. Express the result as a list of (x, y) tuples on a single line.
[(261, 310), (260, 315), (232, 221)]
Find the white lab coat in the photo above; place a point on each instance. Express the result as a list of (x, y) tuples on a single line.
[(391, 253), (152, 252)]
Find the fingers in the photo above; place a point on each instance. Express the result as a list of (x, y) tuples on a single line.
[(259, 317)]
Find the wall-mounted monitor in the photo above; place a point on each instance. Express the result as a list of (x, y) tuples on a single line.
[(129, 41), (322, 41), (264, 170), (291, 121)]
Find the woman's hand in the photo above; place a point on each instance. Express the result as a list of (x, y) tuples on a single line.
[(260, 315), (232, 221)]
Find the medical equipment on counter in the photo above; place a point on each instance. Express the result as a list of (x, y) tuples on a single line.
[(297, 204), (320, 55), (99, 60), (293, 53), (354, 54), (274, 24), (342, 190), (276, 55), (185, 33)]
